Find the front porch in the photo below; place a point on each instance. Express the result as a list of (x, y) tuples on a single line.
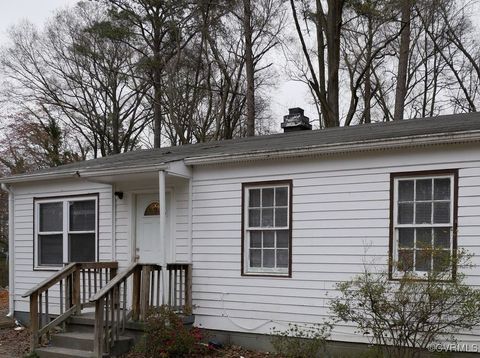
[(108, 303)]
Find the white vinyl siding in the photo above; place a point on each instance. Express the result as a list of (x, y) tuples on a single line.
[(340, 222), (25, 275)]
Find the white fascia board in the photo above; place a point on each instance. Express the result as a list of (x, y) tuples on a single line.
[(325, 149), (130, 170), (85, 173)]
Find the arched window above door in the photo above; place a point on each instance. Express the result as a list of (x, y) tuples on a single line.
[(153, 209)]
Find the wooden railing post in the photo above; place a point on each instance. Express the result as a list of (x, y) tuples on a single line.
[(34, 321), (145, 291), (136, 290), (99, 329), (113, 272), (76, 290), (188, 289)]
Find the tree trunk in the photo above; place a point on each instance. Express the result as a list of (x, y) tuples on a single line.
[(367, 114), (334, 24), (401, 88), (249, 66)]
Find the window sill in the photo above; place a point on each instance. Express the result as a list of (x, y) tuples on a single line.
[(420, 276), (48, 268), (267, 274)]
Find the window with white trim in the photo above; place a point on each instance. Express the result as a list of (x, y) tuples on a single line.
[(423, 222), (267, 228), (66, 230)]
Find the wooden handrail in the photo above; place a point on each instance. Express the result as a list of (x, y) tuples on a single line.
[(111, 311), (75, 284), (67, 270), (49, 282), (118, 278)]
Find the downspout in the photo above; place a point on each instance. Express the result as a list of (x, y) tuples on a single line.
[(190, 220), (163, 241), (11, 250), (114, 224)]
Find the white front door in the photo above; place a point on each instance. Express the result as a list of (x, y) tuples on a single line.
[(148, 241)]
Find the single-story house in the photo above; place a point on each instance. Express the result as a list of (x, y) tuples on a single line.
[(259, 229)]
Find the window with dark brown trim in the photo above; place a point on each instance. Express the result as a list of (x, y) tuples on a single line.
[(423, 221), (267, 228)]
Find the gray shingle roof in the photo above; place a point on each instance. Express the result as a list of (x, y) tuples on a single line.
[(281, 142)]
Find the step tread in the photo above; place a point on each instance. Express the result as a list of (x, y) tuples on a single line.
[(85, 335), (65, 351)]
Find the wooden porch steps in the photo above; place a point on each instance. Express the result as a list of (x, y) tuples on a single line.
[(77, 341), (61, 352), (102, 312)]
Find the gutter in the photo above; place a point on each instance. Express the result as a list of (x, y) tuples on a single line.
[(348, 147), (85, 173), (11, 250)]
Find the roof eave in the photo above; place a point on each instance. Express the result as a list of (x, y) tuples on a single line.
[(82, 174), (348, 147)]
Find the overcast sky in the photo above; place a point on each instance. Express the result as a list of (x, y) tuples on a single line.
[(287, 94)]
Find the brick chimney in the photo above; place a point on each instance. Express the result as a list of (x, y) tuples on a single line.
[(295, 120)]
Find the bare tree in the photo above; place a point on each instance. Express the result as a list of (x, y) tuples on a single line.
[(403, 56), (159, 30), (328, 27), (87, 78)]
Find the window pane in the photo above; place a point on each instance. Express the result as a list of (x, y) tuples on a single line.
[(441, 260), (254, 198), (50, 249), (267, 217), (255, 258), (267, 197), (81, 247), (269, 258), (268, 239), (255, 239), (82, 215), (424, 189), (405, 260), (424, 238), (405, 190), (406, 238), (153, 209), (51, 217), (442, 237), (254, 217), (423, 213), (441, 213), (281, 196), (281, 217), (282, 258), (282, 238), (405, 213), (442, 189), (423, 261)]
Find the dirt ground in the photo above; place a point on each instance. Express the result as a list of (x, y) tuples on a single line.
[(13, 343), (228, 352)]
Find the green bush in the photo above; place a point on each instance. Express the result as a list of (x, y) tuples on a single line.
[(406, 316), (166, 336), (300, 341)]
